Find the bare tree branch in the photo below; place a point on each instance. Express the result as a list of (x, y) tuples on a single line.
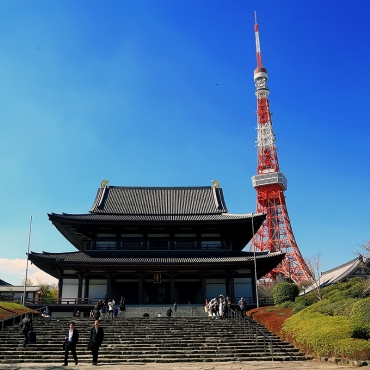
[(314, 264)]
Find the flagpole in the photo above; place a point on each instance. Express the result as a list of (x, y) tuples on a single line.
[(255, 264), (28, 252)]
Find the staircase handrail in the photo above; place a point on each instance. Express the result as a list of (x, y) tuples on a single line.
[(252, 328)]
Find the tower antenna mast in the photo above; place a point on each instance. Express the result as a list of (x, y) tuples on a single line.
[(258, 47), (276, 233)]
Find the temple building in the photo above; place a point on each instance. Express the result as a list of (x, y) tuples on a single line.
[(157, 245)]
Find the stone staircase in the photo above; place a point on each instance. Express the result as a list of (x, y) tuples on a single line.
[(155, 339)]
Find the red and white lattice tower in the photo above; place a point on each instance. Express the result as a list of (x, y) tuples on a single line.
[(276, 233)]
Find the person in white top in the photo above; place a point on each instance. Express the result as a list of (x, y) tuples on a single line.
[(111, 304), (70, 344)]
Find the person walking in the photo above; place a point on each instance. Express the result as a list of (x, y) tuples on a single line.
[(111, 304), (221, 306), (96, 339), (103, 308), (228, 307), (96, 311), (26, 327), (214, 307), (243, 306), (175, 307), (70, 344), (122, 305)]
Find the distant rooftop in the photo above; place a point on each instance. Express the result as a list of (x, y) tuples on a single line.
[(2, 282)]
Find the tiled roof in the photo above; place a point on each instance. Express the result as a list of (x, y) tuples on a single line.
[(126, 261), (2, 283), (360, 266), (146, 207), (17, 288), (86, 218), (159, 201), (148, 257)]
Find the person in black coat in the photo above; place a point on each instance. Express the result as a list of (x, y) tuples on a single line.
[(96, 311), (70, 344), (26, 327), (96, 339)]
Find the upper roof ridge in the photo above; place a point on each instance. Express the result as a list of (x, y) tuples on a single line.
[(188, 200)]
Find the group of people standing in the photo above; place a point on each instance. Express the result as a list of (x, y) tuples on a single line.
[(95, 341), (101, 307), (217, 307)]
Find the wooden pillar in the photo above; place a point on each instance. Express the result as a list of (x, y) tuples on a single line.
[(86, 290), (140, 290), (254, 289), (79, 290), (232, 288), (172, 287), (204, 286), (230, 284), (109, 285), (60, 290)]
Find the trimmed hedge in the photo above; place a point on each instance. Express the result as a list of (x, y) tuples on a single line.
[(321, 335), (338, 325), (271, 317), (360, 315)]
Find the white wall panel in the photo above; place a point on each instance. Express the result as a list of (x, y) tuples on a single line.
[(97, 288)]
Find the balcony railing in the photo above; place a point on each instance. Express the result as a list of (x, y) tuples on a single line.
[(263, 301), (157, 245)]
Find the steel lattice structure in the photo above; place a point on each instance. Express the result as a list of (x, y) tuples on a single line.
[(276, 233)]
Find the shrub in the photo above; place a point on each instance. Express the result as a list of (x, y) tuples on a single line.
[(271, 317), (354, 288), (328, 336), (286, 304), (335, 306), (360, 316), (285, 292), (366, 291), (304, 301)]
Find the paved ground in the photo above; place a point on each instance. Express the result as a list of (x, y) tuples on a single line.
[(247, 365)]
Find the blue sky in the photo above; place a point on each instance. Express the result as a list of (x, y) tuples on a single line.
[(161, 93)]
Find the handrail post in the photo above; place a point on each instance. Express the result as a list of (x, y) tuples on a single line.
[(272, 351)]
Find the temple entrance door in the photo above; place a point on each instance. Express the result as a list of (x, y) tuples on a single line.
[(129, 290), (156, 293), (188, 291)]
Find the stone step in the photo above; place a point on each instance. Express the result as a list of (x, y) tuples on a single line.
[(195, 339)]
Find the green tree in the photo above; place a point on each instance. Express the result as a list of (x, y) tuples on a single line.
[(51, 291), (285, 292)]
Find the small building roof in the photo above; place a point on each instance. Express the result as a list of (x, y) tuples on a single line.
[(2, 282), (20, 289), (360, 266)]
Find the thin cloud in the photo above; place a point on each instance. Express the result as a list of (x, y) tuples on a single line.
[(14, 271)]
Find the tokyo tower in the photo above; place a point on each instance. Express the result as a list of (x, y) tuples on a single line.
[(276, 233)]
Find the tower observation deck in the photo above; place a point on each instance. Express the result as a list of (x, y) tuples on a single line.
[(276, 233)]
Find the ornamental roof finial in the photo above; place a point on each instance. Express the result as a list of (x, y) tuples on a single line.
[(104, 183), (216, 184)]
